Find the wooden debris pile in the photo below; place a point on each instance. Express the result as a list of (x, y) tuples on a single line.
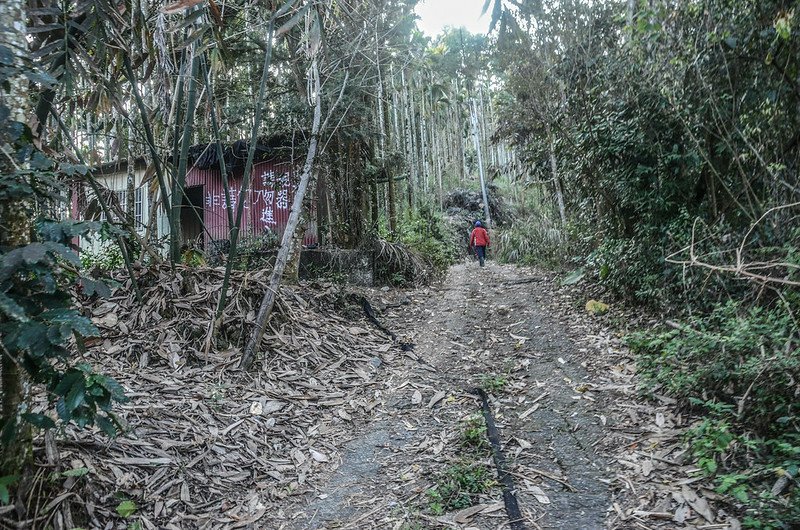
[(468, 204), (209, 446)]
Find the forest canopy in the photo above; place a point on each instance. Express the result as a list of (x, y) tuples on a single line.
[(648, 151)]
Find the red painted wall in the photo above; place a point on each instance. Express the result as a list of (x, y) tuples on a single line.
[(268, 201)]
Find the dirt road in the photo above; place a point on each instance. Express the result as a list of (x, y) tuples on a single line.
[(497, 328)]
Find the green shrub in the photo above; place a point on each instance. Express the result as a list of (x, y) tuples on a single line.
[(730, 353), (426, 232), (107, 258), (746, 468), (493, 382), (531, 241), (254, 251), (422, 250), (474, 435), (739, 368), (629, 268)]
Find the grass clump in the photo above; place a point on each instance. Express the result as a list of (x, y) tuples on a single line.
[(474, 434), (531, 241), (458, 487), (421, 250), (493, 383)]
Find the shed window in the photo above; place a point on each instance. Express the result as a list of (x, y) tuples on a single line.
[(117, 201), (138, 206)]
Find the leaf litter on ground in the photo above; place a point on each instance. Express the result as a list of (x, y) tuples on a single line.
[(209, 446)]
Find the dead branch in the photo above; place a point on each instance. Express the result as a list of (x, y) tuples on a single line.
[(740, 268)]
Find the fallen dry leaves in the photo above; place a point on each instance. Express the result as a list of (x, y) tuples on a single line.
[(654, 483), (209, 446)]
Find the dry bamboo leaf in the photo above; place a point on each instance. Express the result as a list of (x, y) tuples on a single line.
[(437, 397), (464, 516), (143, 461), (523, 443), (647, 467), (299, 457), (539, 494), (681, 514), (697, 503), (529, 412), (185, 492), (318, 456), (314, 363)]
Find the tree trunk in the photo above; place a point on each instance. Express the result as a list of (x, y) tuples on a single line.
[(223, 170), (392, 200), (292, 273), (383, 128), (631, 12), (476, 136), (148, 130), (243, 191), (424, 147), (374, 204), (410, 159), (462, 147), (556, 179), (268, 301), (14, 230), (180, 177), (439, 155), (15, 222), (130, 191)]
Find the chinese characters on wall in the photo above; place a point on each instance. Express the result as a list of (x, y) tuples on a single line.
[(269, 200)]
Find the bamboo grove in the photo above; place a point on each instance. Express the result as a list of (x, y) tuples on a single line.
[(370, 110), (136, 79)]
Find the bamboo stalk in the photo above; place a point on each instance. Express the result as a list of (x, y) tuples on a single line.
[(424, 147), (384, 128), (104, 206), (476, 137), (148, 131), (235, 228), (268, 302), (556, 179), (220, 153), (15, 224), (410, 159), (178, 183), (130, 184)]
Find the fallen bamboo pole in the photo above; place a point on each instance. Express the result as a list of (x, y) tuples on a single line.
[(287, 240)]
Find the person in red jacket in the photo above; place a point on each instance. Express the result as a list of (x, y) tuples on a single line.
[(479, 240)]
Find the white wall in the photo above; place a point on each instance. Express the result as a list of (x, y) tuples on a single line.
[(118, 182)]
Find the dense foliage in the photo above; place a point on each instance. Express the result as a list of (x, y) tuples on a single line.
[(686, 118), (662, 141), (39, 281), (738, 364)]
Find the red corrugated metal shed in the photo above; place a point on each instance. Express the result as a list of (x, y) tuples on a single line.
[(267, 204)]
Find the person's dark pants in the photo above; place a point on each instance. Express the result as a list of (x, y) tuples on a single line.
[(481, 252)]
